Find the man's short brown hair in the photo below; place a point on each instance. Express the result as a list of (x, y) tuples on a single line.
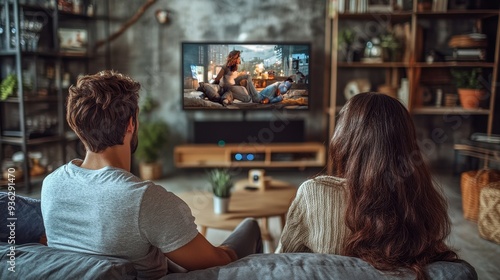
[(99, 108)]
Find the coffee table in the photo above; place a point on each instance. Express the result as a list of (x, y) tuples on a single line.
[(273, 202)]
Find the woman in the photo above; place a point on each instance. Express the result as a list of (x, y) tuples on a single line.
[(229, 79), (380, 203)]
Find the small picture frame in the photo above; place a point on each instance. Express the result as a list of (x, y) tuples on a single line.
[(73, 40)]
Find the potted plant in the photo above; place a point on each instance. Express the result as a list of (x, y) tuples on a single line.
[(153, 136), (346, 39), (469, 87), (221, 182), (391, 48)]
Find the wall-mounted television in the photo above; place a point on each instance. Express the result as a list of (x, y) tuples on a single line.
[(267, 66)]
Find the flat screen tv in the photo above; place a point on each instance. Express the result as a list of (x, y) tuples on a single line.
[(265, 65)]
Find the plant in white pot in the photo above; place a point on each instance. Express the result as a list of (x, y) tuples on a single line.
[(221, 182), (153, 136), (469, 87)]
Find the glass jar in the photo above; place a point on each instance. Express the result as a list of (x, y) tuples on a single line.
[(11, 170)]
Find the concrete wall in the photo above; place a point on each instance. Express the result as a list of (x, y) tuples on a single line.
[(151, 53)]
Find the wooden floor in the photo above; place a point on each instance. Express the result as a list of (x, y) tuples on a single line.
[(483, 255)]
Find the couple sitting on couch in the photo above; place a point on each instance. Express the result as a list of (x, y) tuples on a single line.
[(379, 205)]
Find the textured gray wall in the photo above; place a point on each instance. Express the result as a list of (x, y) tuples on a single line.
[(151, 53)]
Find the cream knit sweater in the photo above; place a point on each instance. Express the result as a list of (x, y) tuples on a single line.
[(315, 220)]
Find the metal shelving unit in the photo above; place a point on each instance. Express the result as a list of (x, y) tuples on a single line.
[(45, 65)]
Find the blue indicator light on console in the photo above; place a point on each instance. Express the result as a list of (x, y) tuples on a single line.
[(250, 157), (221, 143), (238, 157)]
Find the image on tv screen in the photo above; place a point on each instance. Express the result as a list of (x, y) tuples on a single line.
[(245, 76)]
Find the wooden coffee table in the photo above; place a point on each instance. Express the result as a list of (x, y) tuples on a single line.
[(273, 202)]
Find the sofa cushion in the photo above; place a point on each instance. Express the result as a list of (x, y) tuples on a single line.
[(36, 261), (29, 223), (212, 91), (318, 266)]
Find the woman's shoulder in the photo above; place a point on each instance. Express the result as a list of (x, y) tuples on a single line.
[(323, 181)]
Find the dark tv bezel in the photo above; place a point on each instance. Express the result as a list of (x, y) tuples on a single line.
[(297, 43)]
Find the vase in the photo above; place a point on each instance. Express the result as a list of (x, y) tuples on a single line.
[(349, 54), (150, 171), (470, 98), (221, 205)]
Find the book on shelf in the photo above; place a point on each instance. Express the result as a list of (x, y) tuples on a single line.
[(352, 6), (440, 5), (474, 54)]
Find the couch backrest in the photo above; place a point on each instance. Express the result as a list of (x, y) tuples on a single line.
[(35, 261), (318, 266)]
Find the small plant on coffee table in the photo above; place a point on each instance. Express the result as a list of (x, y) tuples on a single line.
[(221, 182)]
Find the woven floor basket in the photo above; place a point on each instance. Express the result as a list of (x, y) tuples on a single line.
[(471, 184), (489, 213)]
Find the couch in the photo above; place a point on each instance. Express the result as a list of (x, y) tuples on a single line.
[(36, 261)]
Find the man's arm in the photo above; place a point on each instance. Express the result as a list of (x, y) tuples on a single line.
[(200, 254)]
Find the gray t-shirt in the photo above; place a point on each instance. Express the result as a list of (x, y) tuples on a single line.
[(112, 212)]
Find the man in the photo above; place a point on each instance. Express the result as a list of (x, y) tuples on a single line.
[(273, 93), (97, 206)]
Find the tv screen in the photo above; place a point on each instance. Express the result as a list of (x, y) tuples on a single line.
[(266, 75)]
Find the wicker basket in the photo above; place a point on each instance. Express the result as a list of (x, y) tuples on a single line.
[(489, 213), (471, 184)]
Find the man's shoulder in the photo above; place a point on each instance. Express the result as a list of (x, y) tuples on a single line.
[(56, 173), (109, 177), (156, 193)]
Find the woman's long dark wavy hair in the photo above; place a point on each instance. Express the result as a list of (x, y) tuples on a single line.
[(232, 60), (396, 215)]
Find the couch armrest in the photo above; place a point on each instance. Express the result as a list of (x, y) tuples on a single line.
[(36, 261), (29, 226)]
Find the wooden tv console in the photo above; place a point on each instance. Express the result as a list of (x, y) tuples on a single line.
[(301, 155)]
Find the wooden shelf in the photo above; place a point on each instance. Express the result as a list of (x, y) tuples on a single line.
[(455, 64), (448, 111), (372, 65), (396, 16), (453, 14), (299, 155)]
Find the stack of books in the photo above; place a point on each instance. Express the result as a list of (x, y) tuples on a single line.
[(469, 47)]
